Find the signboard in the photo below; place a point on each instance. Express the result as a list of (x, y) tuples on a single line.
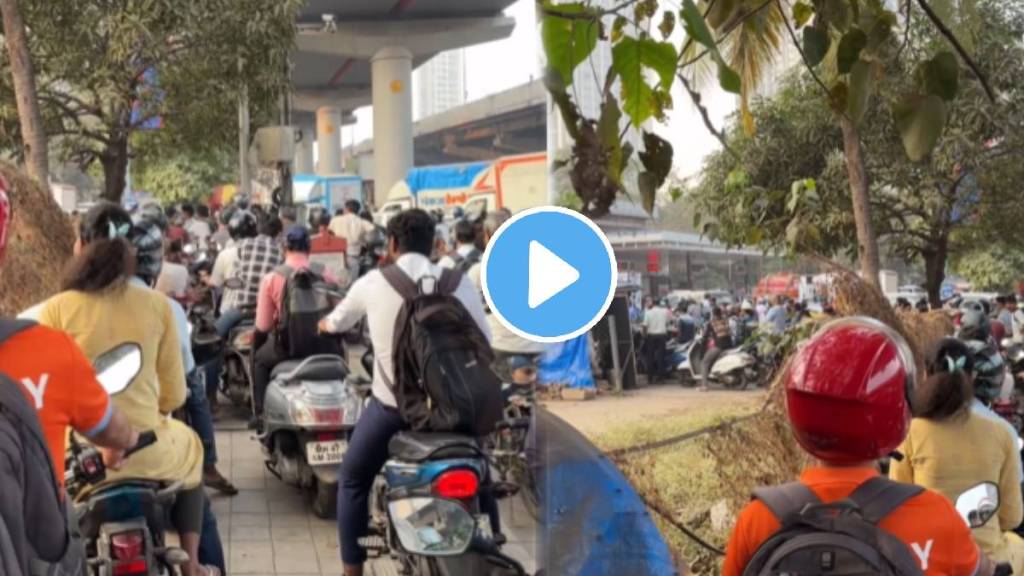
[(653, 261)]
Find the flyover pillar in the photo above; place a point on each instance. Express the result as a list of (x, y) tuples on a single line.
[(392, 117), (328, 140), (304, 148)]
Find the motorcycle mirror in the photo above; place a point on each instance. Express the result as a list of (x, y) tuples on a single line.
[(978, 504), (118, 367)]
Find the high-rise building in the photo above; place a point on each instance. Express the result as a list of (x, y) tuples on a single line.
[(440, 84)]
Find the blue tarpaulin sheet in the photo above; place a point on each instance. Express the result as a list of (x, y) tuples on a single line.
[(444, 177), (567, 363)]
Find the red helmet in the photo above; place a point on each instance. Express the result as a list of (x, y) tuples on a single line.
[(848, 391), (5, 216)]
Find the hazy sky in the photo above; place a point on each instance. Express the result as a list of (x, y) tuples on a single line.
[(489, 69)]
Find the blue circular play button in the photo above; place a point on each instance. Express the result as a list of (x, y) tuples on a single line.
[(549, 274)]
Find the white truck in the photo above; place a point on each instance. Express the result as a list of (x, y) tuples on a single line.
[(512, 182)]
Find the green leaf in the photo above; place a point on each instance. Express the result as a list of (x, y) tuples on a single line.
[(862, 85), (656, 157), (835, 13), (647, 183), (668, 24), (941, 76), (802, 14), (850, 47), (920, 120), (816, 44), (608, 132), (697, 29), (618, 27), (630, 58), (675, 193), (568, 41), (755, 236)]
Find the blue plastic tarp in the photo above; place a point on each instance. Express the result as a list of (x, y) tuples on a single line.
[(444, 177), (567, 363)]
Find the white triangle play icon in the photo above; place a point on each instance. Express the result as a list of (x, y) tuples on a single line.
[(548, 275)]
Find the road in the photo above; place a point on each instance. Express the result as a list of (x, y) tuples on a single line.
[(268, 529)]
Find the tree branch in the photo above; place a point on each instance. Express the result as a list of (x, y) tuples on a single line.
[(695, 97), (945, 31), (800, 49)]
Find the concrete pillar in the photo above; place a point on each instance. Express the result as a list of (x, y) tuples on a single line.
[(304, 148), (392, 117), (328, 140)]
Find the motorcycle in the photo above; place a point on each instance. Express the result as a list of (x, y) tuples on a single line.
[(425, 506), (237, 378), (736, 368), (122, 522), (977, 506), (310, 410), (509, 447)]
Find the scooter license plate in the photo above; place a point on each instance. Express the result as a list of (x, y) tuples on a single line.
[(332, 452)]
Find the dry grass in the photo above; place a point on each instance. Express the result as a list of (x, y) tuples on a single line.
[(705, 482), (38, 248)]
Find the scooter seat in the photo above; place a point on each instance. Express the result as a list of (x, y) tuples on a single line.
[(319, 370), (418, 447)]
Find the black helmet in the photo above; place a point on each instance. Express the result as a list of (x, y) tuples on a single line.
[(989, 370), (153, 213), (148, 239), (242, 225), (974, 325)]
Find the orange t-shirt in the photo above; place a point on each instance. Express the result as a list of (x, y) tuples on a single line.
[(59, 381), (937, 535)]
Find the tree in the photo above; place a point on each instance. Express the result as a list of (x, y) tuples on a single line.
[(847, 45), (963, 196), (993, 269), (23, 78), (111, 69), (182, 176)]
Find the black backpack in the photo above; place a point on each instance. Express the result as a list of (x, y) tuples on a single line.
[(838, 538), (442, 360), (464, 263), (303, 305)]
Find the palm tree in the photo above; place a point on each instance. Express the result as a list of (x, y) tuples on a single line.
[(32, 134)]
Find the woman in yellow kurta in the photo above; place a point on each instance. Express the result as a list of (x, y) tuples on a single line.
[(100, 310), (951, 448)]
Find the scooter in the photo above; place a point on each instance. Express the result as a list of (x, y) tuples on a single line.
[(737, 368), (977, 506), (121, 523), (237, 378), (310, 410), (425, 510)]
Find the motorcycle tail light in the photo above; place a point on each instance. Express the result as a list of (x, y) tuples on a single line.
[(245, 339), (127, 551), (457, 484)]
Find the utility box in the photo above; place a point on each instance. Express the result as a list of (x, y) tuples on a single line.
[(275, 144)]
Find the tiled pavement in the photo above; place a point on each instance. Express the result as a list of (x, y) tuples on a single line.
[(268, 529)]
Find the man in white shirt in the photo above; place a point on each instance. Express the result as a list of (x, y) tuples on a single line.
[(198, 229), (504, 342), (656, 320), (410, 240), (352, 228), (466, 254), (173, 279)]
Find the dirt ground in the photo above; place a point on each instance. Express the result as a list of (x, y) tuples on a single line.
[(601, 416)]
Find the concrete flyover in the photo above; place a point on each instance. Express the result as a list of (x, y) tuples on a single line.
[(351, 53)]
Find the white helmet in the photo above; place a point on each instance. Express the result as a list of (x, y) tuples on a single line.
[(747, 306)]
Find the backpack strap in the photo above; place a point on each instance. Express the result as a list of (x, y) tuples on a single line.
[(450, 280), (786, 501), (285, 270), (11, 326), (401, 282), (879, 497)]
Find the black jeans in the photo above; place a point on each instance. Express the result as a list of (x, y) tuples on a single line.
[(364, 458), (656, 356), (264, 360)]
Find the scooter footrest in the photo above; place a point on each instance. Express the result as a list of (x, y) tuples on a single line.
[(374, 545)]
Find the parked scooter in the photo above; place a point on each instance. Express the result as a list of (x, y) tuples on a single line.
[(425, 506), (122, 522), (737, 368), (310, 409)]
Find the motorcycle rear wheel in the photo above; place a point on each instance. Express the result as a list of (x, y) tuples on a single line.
[(324, 499)]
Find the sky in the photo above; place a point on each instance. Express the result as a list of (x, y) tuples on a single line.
[(488, 67)]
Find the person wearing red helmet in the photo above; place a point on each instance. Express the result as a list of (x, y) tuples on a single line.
[(848, 392)]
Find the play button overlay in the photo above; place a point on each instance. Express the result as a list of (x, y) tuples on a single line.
[(549, 274)]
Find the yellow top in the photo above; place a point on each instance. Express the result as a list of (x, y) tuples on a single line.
[(100, 322), (952, 456)]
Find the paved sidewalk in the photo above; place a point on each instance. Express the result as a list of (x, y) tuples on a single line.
[(269, 529)]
